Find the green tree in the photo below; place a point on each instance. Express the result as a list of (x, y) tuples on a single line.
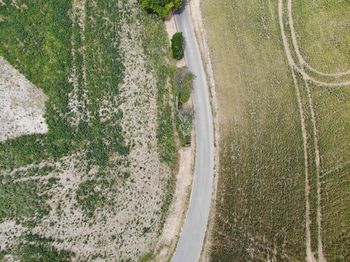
[(160, 7), (177, 45)]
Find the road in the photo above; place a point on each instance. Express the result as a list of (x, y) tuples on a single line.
[(193, 232)]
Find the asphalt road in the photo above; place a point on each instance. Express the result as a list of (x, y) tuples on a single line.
[(193, 232)]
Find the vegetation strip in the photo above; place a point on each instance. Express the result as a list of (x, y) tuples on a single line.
[(107, 161)]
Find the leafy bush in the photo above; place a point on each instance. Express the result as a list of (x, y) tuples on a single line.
[(177, 45), (160, 7), (183, 84), (184, 125)]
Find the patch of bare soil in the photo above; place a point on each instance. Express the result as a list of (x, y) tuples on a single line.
[(9, 231), (22, 105)]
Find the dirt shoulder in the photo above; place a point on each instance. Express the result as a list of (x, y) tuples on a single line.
[(173, 224)]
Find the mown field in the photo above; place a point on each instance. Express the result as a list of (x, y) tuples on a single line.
[(98, 184), (281, 73)]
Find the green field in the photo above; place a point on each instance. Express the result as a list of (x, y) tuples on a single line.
[(283, 188), (77, 53)]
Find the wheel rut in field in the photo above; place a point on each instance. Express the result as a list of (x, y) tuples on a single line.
[(302, 64), (301, 67), (78, 99), (296, 47), (309, 255)]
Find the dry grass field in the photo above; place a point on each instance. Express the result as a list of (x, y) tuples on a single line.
[(96, 185), (283, 84)]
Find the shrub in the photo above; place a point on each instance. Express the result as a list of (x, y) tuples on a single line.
[(183, 84), (177, 45), (184, 125), (160, 7)]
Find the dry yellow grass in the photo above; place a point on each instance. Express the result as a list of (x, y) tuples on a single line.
[(284, 125)]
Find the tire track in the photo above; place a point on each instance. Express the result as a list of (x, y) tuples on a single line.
[(291, 61), (302, 63), (297, 48), (318, 171), (300, 67), (309, 255)]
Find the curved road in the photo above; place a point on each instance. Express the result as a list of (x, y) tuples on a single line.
[(193, 232)]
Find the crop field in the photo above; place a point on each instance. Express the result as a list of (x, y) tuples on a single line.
[(283, 83), (95, 183)]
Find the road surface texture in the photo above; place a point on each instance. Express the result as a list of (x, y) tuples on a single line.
[(193, 232)]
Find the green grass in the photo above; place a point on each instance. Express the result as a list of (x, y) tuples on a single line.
[(22, 201), (39, 47), (147, 257), (92, 194), (155, 40), (326, 48), (46, 60), (167, 200), (333, 115), (89, 197), (39, 253), (46, 49)]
